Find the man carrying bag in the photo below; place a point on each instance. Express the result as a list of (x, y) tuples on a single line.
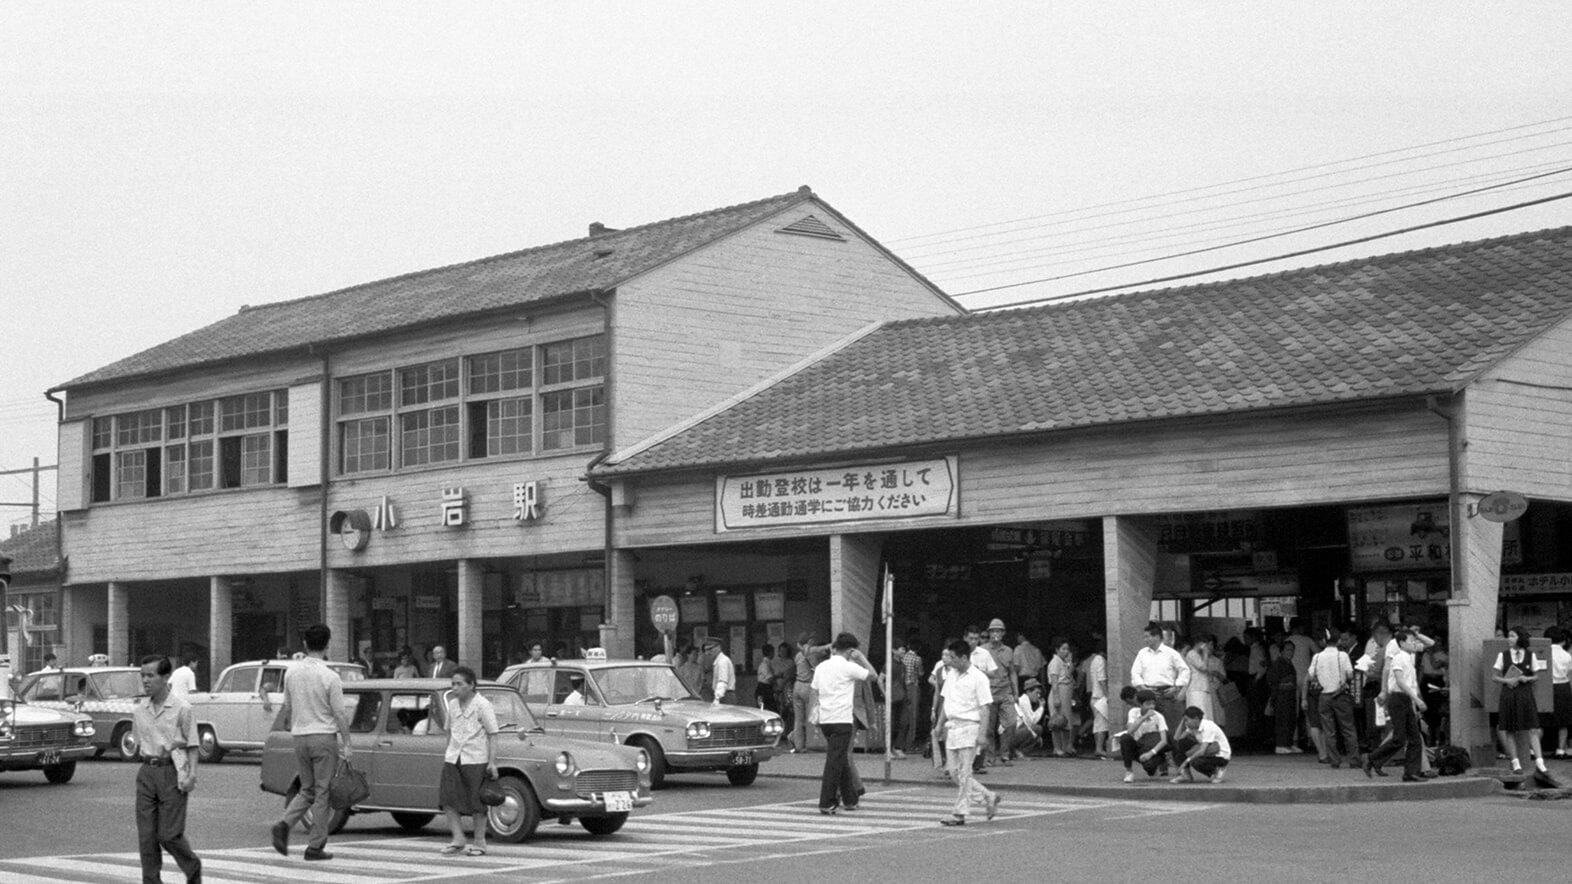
[(314, 708)]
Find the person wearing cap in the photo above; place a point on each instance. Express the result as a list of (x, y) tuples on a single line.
[(1001, 681), (1028, 731), (722, 673), (166, 738)]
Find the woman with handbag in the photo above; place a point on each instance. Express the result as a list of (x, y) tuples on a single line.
[(469, 761), (1061, 698)]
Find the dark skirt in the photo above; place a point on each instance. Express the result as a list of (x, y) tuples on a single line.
[(460, 788), (1563, 707), (1519, 712)]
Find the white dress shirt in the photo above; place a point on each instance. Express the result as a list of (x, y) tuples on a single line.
[(1160, 668)]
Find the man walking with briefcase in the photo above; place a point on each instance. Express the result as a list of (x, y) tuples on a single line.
[(314, 709)]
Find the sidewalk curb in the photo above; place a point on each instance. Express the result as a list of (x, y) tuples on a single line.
[(1432, 790)]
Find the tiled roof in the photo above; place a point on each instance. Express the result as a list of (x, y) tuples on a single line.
[(499, 282), (34, 551), (1403, 324)]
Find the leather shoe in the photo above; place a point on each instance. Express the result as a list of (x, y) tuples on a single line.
[(317, 853), (281, 837), (953, 821), (1409, 778)]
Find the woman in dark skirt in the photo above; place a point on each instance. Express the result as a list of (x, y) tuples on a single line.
[(1561, 686), (1516, 670), (469, 761)]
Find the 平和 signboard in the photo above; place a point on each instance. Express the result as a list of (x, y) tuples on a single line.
[(1412, 536), (903, 490)]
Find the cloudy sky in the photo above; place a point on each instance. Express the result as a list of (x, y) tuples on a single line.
[(162, 164)]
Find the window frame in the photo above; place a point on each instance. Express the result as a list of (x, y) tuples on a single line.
[(180, 447)]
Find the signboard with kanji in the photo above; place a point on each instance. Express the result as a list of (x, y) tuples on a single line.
[(902, 490), (663, 613), (1412, 536), (1536, 584)]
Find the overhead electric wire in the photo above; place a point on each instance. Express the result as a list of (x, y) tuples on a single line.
[(931, 268), (1281, 173), (1241, 264)]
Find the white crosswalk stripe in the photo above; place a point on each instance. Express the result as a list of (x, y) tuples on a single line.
[(647, 843)]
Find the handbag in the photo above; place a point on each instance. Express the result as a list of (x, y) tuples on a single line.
[(348, 787), (491, 793)]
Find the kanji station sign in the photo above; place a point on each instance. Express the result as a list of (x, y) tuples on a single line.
[(902, 490)]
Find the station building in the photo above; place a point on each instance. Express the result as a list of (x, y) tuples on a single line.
[(760, 412)]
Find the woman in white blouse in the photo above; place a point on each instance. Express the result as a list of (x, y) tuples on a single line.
[(1516, 670), (1561, 686)]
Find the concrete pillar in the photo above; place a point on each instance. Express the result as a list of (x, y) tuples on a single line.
[(1471, 618), (335, 613), (471, 615), (119, 624), (220, 626), (1129, 575), (618, 627), (854, 584)]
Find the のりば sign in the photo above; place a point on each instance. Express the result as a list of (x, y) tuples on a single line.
[(902, 490)]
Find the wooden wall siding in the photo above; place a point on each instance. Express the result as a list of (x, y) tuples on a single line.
[(716, 322), (1547, 360), (493, 333), (71, 483), (1519, 439), (1269, 461), (1129, 578), (248, 376), (305, 435), (1471, 620), (854, 584)]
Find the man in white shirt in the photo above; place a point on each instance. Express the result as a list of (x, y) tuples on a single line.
[(1201, 746), (1028, 731), (1400, 696), (966, 696), (1160, 669), (723, 673), (832, 696), (1334, 672), (182, 682)]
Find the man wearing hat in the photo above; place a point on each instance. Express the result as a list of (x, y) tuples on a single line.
[(721, 680), (1028, 731), (1002, 681)]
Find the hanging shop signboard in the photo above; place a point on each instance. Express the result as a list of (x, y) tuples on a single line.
[(903, 490), (1536, 584), (1411, 537), (579, 587)]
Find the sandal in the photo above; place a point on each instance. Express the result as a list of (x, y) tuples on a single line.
[(452, 850), (475, 851)]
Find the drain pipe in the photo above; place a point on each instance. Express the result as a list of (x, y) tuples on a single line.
[(607, 546), (1455, 446), (59, 522)]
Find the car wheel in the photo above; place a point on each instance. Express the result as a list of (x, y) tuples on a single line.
[(743, 774), (60, 773), (335, 823), (208, 751), (413, 822), (657, 761), (603, 825), (125, 742), (519, 813)]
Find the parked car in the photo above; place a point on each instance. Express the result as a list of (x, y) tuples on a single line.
[(41, 738), (105, 693), (648, 705), (399, 736), (237, 715)]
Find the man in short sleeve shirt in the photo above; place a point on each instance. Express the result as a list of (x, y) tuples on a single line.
[(167, 740), (314, 708)]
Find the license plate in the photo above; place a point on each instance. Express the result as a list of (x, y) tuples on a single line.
[(618, 802), (744, 757), (49, 756)]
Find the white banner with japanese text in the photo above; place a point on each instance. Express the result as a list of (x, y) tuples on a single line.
[(902, 490)]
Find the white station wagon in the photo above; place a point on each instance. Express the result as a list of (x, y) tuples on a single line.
[(238, 714)]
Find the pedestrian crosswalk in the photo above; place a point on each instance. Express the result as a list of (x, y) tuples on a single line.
[(648, 843)]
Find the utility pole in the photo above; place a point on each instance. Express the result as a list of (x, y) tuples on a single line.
[(36, 470)]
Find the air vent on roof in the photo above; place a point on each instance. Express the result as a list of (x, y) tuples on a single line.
[(808, 225)]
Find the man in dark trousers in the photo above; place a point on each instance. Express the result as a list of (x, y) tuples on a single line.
[(167, 741), (314, 708)]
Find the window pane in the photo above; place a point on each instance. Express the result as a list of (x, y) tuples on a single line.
[(429, 436), (429, 383), (175, 421), (175, 469), (140, 427), (508, 426), (499, 372), (572, 418), (280, 408), (103, 432), (200, 419), (372, 392), (245, 412), (366, 444), (581, 359), (131, 475), (199, 467), (256, 459)]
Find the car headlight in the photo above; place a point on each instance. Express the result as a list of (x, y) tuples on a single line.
[(698, 730), (643, 761), (84, 728), (564, 763), (774, 727), (5, 731)]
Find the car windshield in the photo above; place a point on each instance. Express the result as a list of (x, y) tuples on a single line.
[(349, 671), (512, 714), (630, 684), (119, 685)]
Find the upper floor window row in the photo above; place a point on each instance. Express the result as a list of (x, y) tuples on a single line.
[(545, 398), (231, 442)]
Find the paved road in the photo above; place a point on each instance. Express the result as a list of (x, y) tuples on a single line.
[(705, 831)]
